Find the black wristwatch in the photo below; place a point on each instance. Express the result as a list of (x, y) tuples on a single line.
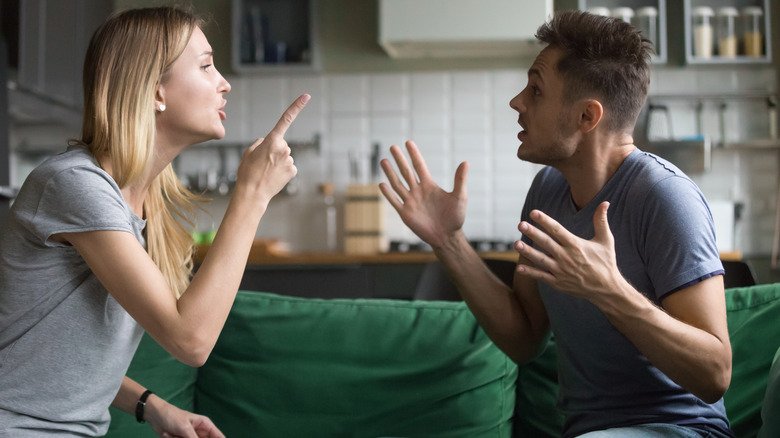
[(139, 407)]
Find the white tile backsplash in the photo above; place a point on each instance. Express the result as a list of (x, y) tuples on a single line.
[(348, 94), (236, 110), (429, 93), (267, 100), (465, 116), (436, 123), (389, 93), (470, 92)]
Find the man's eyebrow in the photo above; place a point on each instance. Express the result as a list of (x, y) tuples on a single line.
[(535, 72)]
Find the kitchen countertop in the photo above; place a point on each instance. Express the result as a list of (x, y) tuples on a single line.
[(263, 253)]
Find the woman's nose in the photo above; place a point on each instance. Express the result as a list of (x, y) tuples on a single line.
[(224, 85)]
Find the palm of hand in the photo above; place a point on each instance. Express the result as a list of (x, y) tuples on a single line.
[(430, 212), (433, 214)]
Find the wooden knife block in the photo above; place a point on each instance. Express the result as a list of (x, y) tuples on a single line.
[(364, 220)]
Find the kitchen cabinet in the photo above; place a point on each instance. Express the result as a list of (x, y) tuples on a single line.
[(274, 36), (461, 28), (44, 86), (53, 38), (751, 42), (649, 15)]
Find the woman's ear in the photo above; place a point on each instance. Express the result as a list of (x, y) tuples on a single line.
[(159, 99), (591, 114)]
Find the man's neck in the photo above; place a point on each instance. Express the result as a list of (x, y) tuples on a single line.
[(595, 164)]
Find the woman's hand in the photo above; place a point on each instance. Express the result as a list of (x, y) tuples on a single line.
[(168, 421), (267, 165)]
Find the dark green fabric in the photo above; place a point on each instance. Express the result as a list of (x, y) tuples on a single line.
[(536, 412), (355, 368), (754, 331), (156, 369), (770, 419)]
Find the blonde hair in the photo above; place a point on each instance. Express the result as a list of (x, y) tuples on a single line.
[(128, 57)]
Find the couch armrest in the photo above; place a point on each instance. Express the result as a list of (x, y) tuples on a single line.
[(754, 331)]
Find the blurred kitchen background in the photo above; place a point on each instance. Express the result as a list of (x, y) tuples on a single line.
[(714, 114)]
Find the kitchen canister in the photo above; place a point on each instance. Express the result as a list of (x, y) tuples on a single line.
[(703, 34), (623, 13), (600, 10), (752, 28), (726, 31), (646, 20)]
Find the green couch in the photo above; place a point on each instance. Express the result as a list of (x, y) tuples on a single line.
[(307, 367)]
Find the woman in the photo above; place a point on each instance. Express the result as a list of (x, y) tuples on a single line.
[(92, 254)]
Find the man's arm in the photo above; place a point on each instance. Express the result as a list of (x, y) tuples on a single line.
[(687, 339), (515, 320)]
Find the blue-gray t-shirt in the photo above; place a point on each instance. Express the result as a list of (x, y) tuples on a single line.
[(664, 241), (65, 343)]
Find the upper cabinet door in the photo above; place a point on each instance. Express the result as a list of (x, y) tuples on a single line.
[(53, 38), (461, 28)]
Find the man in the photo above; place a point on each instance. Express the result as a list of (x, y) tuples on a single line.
[(618, 256)]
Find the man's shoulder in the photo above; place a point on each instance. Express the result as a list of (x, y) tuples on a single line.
[(646, 172)]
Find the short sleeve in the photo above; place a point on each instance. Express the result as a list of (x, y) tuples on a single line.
[(679, 245), (79, 199)]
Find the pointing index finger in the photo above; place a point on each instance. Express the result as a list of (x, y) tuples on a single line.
[(289, 115)]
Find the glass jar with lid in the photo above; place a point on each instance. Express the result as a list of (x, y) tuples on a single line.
[(703, 38), (623, 13), (725, 31), (646, 20), (600, 10), (752, 31)]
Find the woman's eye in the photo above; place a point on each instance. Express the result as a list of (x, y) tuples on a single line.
[(206, 67)]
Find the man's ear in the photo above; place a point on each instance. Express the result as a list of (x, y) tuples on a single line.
[(591, 113)]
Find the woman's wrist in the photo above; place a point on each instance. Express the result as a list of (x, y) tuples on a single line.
[(154, 405), (140, 406), (255, 197)]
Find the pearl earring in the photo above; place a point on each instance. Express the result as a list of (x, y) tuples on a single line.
[(161, 108)]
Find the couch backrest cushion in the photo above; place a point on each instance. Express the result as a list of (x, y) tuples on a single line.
[(156, 369), (299, 367), (754, 329)]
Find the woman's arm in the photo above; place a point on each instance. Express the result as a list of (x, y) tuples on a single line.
[(189, 327), (166, 420)]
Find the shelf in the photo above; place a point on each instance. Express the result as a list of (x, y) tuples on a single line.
[(715, 59), (274, 37), (661, 22), (767, 143)]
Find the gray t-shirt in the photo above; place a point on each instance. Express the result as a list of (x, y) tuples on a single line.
[(664, 241), (65, 343)]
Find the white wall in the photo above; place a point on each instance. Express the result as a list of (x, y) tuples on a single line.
[(465, 116)]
